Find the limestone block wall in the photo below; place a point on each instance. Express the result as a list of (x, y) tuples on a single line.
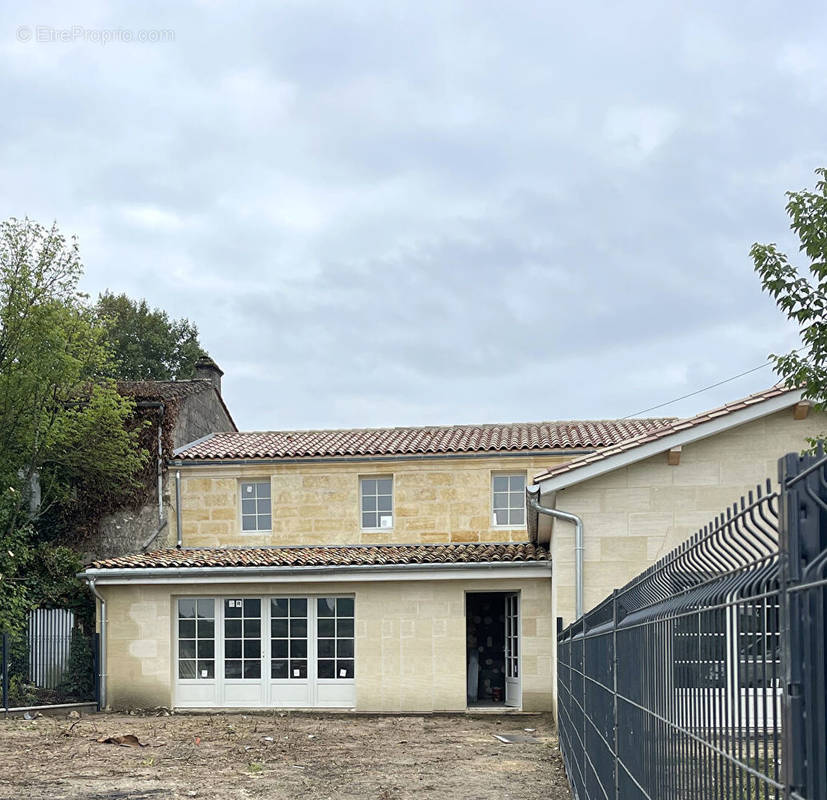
[(435, 500), (410, 640), (635, 515)]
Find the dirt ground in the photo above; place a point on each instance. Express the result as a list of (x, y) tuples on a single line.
[(279, 755)]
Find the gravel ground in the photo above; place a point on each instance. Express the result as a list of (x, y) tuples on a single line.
[(279, 755)]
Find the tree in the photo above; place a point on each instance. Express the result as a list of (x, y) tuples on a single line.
[(146, 343), (802, 299), (63, 424)]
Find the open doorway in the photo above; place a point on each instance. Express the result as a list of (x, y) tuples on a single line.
[(492, 632)]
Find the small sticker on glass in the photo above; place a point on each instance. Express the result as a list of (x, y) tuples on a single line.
[(296, 673), (203, 673), (342, 673)]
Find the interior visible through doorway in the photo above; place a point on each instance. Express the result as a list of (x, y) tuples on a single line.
[(485, 648)]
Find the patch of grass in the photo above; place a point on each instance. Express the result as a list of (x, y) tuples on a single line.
[(255, 767)]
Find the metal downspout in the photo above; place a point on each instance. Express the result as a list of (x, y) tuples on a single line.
[(178, 509), (532, 493), (102, 653)]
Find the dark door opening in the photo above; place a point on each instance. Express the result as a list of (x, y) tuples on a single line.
[(485, 626)]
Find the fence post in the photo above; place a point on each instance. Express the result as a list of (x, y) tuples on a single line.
[(6, 672), (614, 695)]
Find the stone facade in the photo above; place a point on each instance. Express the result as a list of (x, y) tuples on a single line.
[(436, 500), (410, 640), (634, 515)]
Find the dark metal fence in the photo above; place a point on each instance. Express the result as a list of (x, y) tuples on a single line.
[(52, 663), (704, 677)]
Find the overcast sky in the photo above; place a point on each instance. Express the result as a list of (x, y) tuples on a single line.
[(385, 213)]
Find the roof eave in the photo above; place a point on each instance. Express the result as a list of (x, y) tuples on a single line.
[(695, 433)]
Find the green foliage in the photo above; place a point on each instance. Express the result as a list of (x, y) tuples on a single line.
[(146, 343), (802, 299), (65, 432), (78, 681)]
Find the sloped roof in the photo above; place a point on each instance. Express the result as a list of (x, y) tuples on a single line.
[(672, 427), (328, 556), (170, 391), (507, 437)]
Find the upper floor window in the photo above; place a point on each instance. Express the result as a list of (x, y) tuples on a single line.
[(509, 500), (377, 502), (256, 510)]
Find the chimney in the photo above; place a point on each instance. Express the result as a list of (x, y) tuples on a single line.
[(207, 370)]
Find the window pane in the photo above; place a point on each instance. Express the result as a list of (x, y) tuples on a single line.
[(369, 520), (206, 628), (186, 608), (265, 522), (206, 649), (248, 490), (326, 606), (384, 486), (186, 628), (252, 669), (327, 669), (248, 523), (344, 648), (298, 607), (252, 608), (232, 669), (206, 669), (501, 517), (186, 648), (517, 483), (500, 483), (252, 628), (298, 628), (344, 606), (516, 517), (369, 504), (252, 648), (278, 606), (298, 648), (232, 648), (368, 486), (206, 609), (278, 669), (263, 506), (186, 669), (384, 502), (278, 628), (232, 628), (344, 628), (516, 500), (326, 628), (327, 648), (263, 489), (344, 669), (385, 521), (278, 648), (248, 505), (298, 669), (500, 500)]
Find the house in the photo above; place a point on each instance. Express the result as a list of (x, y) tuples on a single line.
[(638, 500), (399, 569), (359, 569), (177, 412)]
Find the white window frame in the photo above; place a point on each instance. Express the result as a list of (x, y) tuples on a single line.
[(241, 496), (509, 508), (363, 510)]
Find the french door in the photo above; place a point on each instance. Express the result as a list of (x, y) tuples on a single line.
[(513, 691), (278, 651)]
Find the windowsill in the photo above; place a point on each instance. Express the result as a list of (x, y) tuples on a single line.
[(376, 530), (255, 533), (509, 527)]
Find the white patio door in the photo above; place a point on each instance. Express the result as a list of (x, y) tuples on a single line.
[(513, 691), (242, 652)]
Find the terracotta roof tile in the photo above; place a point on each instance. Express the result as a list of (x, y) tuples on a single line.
[(328, 556), (507, 437), (673, 426)]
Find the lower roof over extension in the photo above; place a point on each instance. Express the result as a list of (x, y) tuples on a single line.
[(332, 562)]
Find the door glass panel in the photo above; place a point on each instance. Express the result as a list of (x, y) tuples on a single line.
[(288, 638), (196, 639), (335, 637), (242, 638)]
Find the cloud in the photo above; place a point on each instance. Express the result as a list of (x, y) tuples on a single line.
[(409, 213)]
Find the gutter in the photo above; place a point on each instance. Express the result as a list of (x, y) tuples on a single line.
[(102, 654), (532, 493), (178, 523), (187, 572), (162, 522)]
